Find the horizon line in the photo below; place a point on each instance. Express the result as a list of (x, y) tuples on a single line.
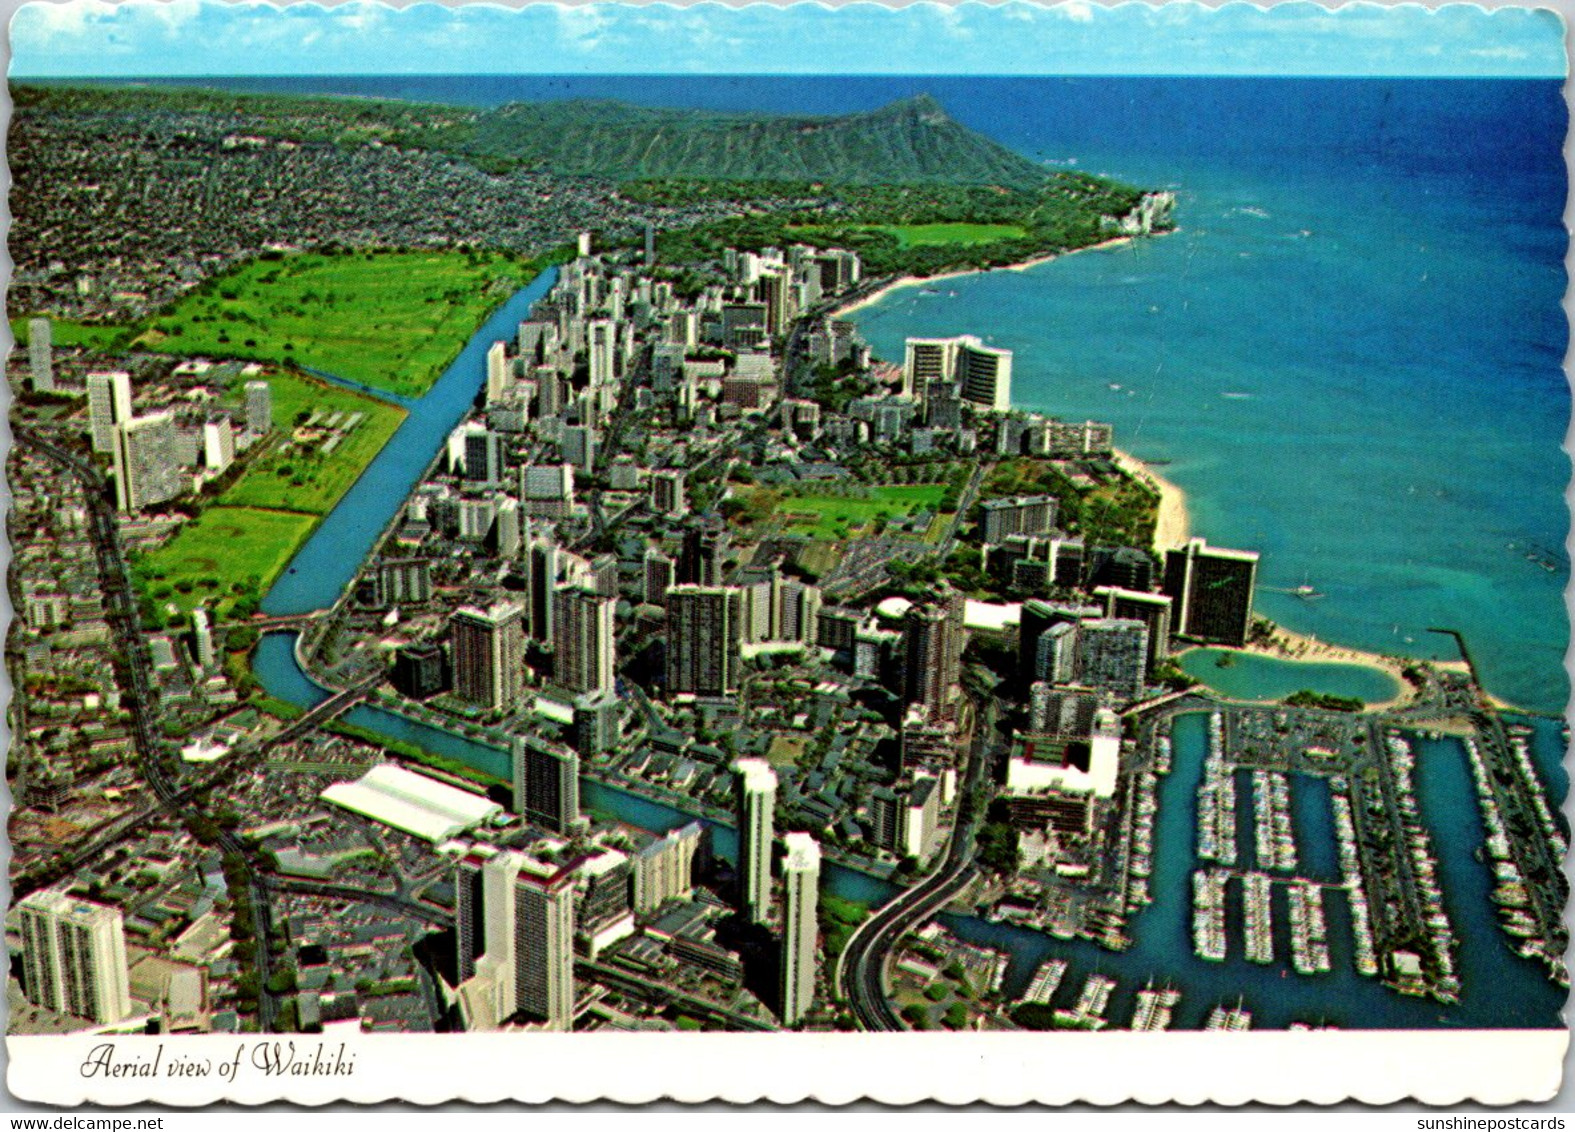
[(1365, 75)]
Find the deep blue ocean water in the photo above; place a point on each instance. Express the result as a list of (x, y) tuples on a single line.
[(1350, 356), (1350, 353)]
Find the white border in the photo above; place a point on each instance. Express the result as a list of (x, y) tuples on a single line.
[(1374, 1067)]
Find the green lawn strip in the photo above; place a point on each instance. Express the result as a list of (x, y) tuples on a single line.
[(103, 337), (837, 516), (295, 474), (390, 320), (221, 556), (927, 235), (937, 235)]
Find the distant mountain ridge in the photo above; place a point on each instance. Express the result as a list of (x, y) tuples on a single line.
[(913, 140), (910, 141)]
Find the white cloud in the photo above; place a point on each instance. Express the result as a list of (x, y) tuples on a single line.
[(1078, 11), (1497, 52), (582, 27)]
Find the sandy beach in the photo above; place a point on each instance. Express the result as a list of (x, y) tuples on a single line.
[(1288, 644), (1172, 527), (930, 280)]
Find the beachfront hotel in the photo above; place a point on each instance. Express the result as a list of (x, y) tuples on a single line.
[(982, 375)]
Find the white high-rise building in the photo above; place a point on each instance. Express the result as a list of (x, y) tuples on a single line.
[(147, 467), (202, 639), (525, 962), (41, 355), (600, 352), (926, 360), (497, 373), (757, 800), (218, 444), (664, 869), (801, 886), (544, 944), (984, 375), (109, 404), (259, 407), (74, 957)]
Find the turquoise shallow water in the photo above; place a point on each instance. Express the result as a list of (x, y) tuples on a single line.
[(1248, 676), (1350, 358)]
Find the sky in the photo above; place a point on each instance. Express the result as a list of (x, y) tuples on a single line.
[(213, 37)]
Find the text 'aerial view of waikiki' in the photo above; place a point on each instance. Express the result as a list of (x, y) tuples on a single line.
[(575, 550)]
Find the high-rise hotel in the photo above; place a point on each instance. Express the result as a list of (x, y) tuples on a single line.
[(980, 374), (757, 800), (1211, 591), (74, 957), (801, 885)]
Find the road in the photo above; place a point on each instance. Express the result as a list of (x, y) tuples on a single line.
[(153, 760), (860, 976), (661, 995)]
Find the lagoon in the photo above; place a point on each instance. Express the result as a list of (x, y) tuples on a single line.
[(1262, 679)]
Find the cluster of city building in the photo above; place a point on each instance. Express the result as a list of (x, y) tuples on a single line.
[(562, 583), (119, 211)]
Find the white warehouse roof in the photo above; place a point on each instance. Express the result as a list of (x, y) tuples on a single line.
[(991, 617), (421, 806)]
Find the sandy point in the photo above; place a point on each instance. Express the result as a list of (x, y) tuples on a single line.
[(1290, 645), (903, 281), (1172, 526)]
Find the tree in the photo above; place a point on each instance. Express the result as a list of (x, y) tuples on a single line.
[(998, 848)]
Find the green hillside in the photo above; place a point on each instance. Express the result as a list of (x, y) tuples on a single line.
[(906, 142), (910, 141)]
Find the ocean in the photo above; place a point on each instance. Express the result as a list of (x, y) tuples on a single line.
[(1349, 355)]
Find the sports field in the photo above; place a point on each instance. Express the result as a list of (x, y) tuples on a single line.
[(390, 320)]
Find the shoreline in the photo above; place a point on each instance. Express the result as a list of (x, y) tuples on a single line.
[(1299, 648), (905, 281), (1173, 523)]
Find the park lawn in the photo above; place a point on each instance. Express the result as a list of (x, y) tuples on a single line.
[(932, 235), (295, 475), (389, 320), (786, 750), (837, 516), (927, 235), (104, 337), (222, 555)]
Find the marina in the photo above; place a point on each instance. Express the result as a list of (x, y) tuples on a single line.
[(1089, 1013), (1233, 1019), (1309, 929), (1217, 801), (1044, 984), (1271, 810), (1208, 913), (1259, 917), (1154, 1008)]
